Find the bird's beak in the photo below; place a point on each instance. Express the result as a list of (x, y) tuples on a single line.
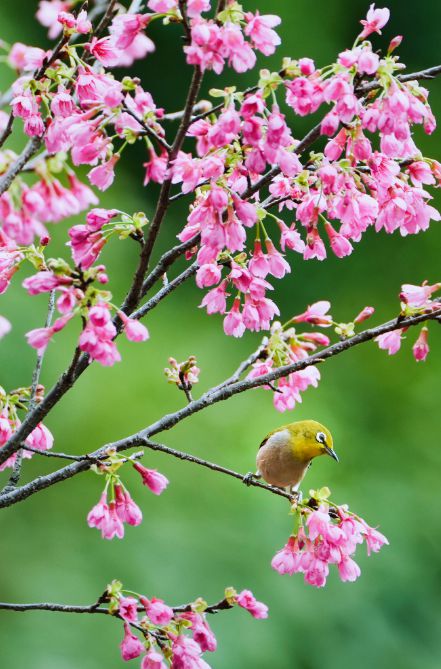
[(332, 453)]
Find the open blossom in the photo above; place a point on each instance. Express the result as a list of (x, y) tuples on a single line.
[(374, 21), (187, 654), (153, 660), (390, 341), (157, 611), (418, 296), (128, 609)]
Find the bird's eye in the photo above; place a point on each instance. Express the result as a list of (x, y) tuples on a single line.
[(321, 437)]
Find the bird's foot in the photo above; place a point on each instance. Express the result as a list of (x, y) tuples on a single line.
[(297, 495), (249, 477)]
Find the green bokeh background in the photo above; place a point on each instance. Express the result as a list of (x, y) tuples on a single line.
[(208, 531)]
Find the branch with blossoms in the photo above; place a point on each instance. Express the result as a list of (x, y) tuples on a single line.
[(257, 193)]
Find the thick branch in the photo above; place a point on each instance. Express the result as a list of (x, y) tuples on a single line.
[(217, 394), (134, 294)]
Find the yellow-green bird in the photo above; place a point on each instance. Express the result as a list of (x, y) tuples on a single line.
[(286, 453)]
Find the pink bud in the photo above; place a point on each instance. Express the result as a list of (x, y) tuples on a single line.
[(131, 646), (421, 348), (155, 481), (364, 314)]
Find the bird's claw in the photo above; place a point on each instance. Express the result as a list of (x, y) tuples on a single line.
[(248, 478), (297, 495)]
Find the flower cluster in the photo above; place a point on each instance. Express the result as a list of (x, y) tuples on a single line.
[(183, 374), (40, 438), (175, 637), (77, 293), (351, 181), (109, 515), (414, 300), (327, 534), (287, 345)]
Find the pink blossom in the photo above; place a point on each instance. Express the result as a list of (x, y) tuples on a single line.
[(39, 338), (5, 326), (103, 175), (287, 560), (316, 314), (197, 7), (153, 660), (133, 329), (127, 510), (259, 29), (40, 438), (233, 321), (374, 539), (340, 245), (368, 62), (157, 611), (97, 516), (364, 314), (390, 341), (202, 632), (208, 275), (375, 20), (162, 6), (421, 348), (47, 14), (131, 647), (348, 569), (125, 27), (156, 168), (307, 66), (187, 654), (215, 299), (127, 609), (155, 481), (418, 297), (247, 601), (112, 526), (104, 50)]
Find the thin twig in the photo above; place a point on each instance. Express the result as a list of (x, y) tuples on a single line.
[(148, 130), (222, 605)]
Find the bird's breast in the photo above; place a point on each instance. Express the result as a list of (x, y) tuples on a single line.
[(277, 463)]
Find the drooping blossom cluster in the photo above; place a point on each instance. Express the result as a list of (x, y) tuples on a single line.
[(116, 506), (40, 438), (176, 637), (76, 287), (327, 535), (287, 345), (414, 300)]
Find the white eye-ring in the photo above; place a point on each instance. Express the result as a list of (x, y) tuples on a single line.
[(321, 437)]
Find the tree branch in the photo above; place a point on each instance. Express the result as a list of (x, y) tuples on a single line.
[(222, 605), (212, 396), (135, 292)]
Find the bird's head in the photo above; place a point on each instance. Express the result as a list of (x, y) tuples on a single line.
[(311, 439)]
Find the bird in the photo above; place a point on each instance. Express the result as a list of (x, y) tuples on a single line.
[(286, 453)]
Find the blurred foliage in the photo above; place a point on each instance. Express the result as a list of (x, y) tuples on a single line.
[(207, 531)]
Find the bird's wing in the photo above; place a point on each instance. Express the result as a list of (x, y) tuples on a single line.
[(270, 434)]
